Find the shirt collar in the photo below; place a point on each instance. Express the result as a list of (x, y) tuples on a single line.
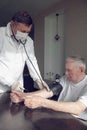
[(10, 35), (8, 30)]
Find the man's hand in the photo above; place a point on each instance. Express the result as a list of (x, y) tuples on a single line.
[(33, 101), (17, 97), (17, 87)]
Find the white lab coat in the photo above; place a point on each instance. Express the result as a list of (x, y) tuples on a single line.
[(13, 58)]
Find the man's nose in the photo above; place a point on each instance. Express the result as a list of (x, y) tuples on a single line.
[(66, 72)]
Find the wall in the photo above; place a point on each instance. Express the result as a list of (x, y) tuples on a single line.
[(75, 29), (54, 49), (39, 42)]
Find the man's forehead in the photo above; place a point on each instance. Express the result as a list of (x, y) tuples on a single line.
[(70, 64), (70, 61), (24, 27)]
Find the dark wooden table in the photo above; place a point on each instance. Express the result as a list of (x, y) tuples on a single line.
[(19, 117)]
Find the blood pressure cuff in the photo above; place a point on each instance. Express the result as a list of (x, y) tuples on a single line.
[(56, 87)]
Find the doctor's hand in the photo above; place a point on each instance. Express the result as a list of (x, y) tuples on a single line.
[(17, 97), (17, 87), (42, 85)]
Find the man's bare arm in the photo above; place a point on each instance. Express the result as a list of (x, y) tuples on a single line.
[(68, 107)]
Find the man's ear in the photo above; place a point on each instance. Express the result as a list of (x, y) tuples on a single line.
[(13, 26), (82, 69), (12, 23)]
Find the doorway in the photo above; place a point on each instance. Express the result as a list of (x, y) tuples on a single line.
[(54, 52)]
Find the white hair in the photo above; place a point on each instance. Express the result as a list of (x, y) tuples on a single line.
[(79, 61)]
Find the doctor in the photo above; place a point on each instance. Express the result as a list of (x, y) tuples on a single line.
[(14, 43)]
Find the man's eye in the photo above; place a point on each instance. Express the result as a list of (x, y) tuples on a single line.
[(68, 70), (22, 31)]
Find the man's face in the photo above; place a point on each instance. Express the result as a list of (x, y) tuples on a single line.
[(72, 71), (20, 27)]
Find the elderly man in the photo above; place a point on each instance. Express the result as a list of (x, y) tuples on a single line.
[(73, 97)]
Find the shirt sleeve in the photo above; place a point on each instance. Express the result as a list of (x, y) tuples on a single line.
[(1, 39), (83, 96)]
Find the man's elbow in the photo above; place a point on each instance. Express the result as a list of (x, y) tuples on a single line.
[(80, 108), (78, 113)]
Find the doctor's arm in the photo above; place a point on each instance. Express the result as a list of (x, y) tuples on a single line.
[(55, 89), (21, 96), (35, 73)]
